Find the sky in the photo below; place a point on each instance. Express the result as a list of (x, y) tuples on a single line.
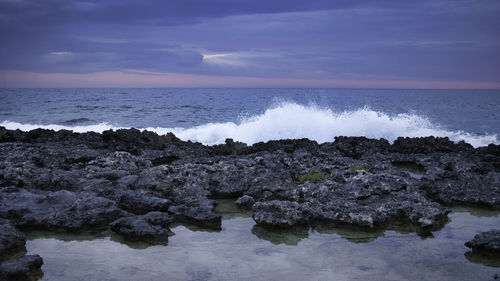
[(240, 43)]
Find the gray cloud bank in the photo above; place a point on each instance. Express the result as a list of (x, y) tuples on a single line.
[(408, 40)]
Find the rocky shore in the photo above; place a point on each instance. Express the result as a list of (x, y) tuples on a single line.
[(138, 183)]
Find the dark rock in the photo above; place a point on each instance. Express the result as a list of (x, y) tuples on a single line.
[(151, 228), (11, 239), (279, 213), (140, 203), (245, 202), (21, 269), (493, 149), (158, 218), (462, 180), (115, 165), (365, 200), (164, 160), (425, 145), (18, 202), (357, 147), (198, 212), (9, 135), (133, 140), (67, 181), (61, 210), (288, 146), (230, 147), (487, 242)]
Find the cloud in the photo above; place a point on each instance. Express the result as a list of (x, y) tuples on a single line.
[(161, 12), (61, 53), (439, 40), (67, 53), (239, 59)]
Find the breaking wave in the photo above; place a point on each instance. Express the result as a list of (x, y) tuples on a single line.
[(291, 121)]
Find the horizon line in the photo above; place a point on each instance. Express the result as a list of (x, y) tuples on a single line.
[(258, 87), (119, 79)]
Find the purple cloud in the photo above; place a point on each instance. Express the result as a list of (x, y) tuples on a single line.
[(442, 40)]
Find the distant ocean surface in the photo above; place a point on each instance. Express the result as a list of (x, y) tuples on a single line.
[(210, 116)]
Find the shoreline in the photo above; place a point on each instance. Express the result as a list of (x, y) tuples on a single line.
[(138, 182)]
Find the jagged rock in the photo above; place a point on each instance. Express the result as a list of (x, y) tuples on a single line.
[(158, 218), (245, 202), (425, 145), (198, 212), (15, 203), (279, 213), (10, 238), (357, 147), (487, 242), (21, 269), (462, 180), (139, 203), (69, 181), (230, 147), (365, 200), (61, 210), (151, 228)]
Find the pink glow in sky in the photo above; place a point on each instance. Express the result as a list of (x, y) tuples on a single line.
[(142, 79)]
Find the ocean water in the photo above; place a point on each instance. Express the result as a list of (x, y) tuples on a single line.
[(210, 116)]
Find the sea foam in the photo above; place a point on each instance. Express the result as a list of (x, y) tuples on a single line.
[(288, 120)]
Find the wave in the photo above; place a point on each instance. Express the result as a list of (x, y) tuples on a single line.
[(291, 121)]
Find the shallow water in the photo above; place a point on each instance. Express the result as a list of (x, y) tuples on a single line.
[(243, 251)]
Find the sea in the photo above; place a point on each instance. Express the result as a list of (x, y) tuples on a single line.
[(253, 115)]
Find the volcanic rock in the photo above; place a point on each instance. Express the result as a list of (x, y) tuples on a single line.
[(487, 242)]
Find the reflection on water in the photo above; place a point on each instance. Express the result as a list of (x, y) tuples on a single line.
[(228, 210), (482, 259), (281, 236), (477, 212), (244, 251)]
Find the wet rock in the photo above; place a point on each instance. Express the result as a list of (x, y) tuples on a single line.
[(158, 218), (115, 165), (425, 145), (140, 203), (493, 149), (21, 269), (245, 202), (462, 180), (197, 211), (133, 140), (357, 147), (486, 243), (364, 200), (151, 228), (61, 210), (15, 203), (287, 146), (164, 160), (67, 181), (279, 213), (11, 239), (230, 147)]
